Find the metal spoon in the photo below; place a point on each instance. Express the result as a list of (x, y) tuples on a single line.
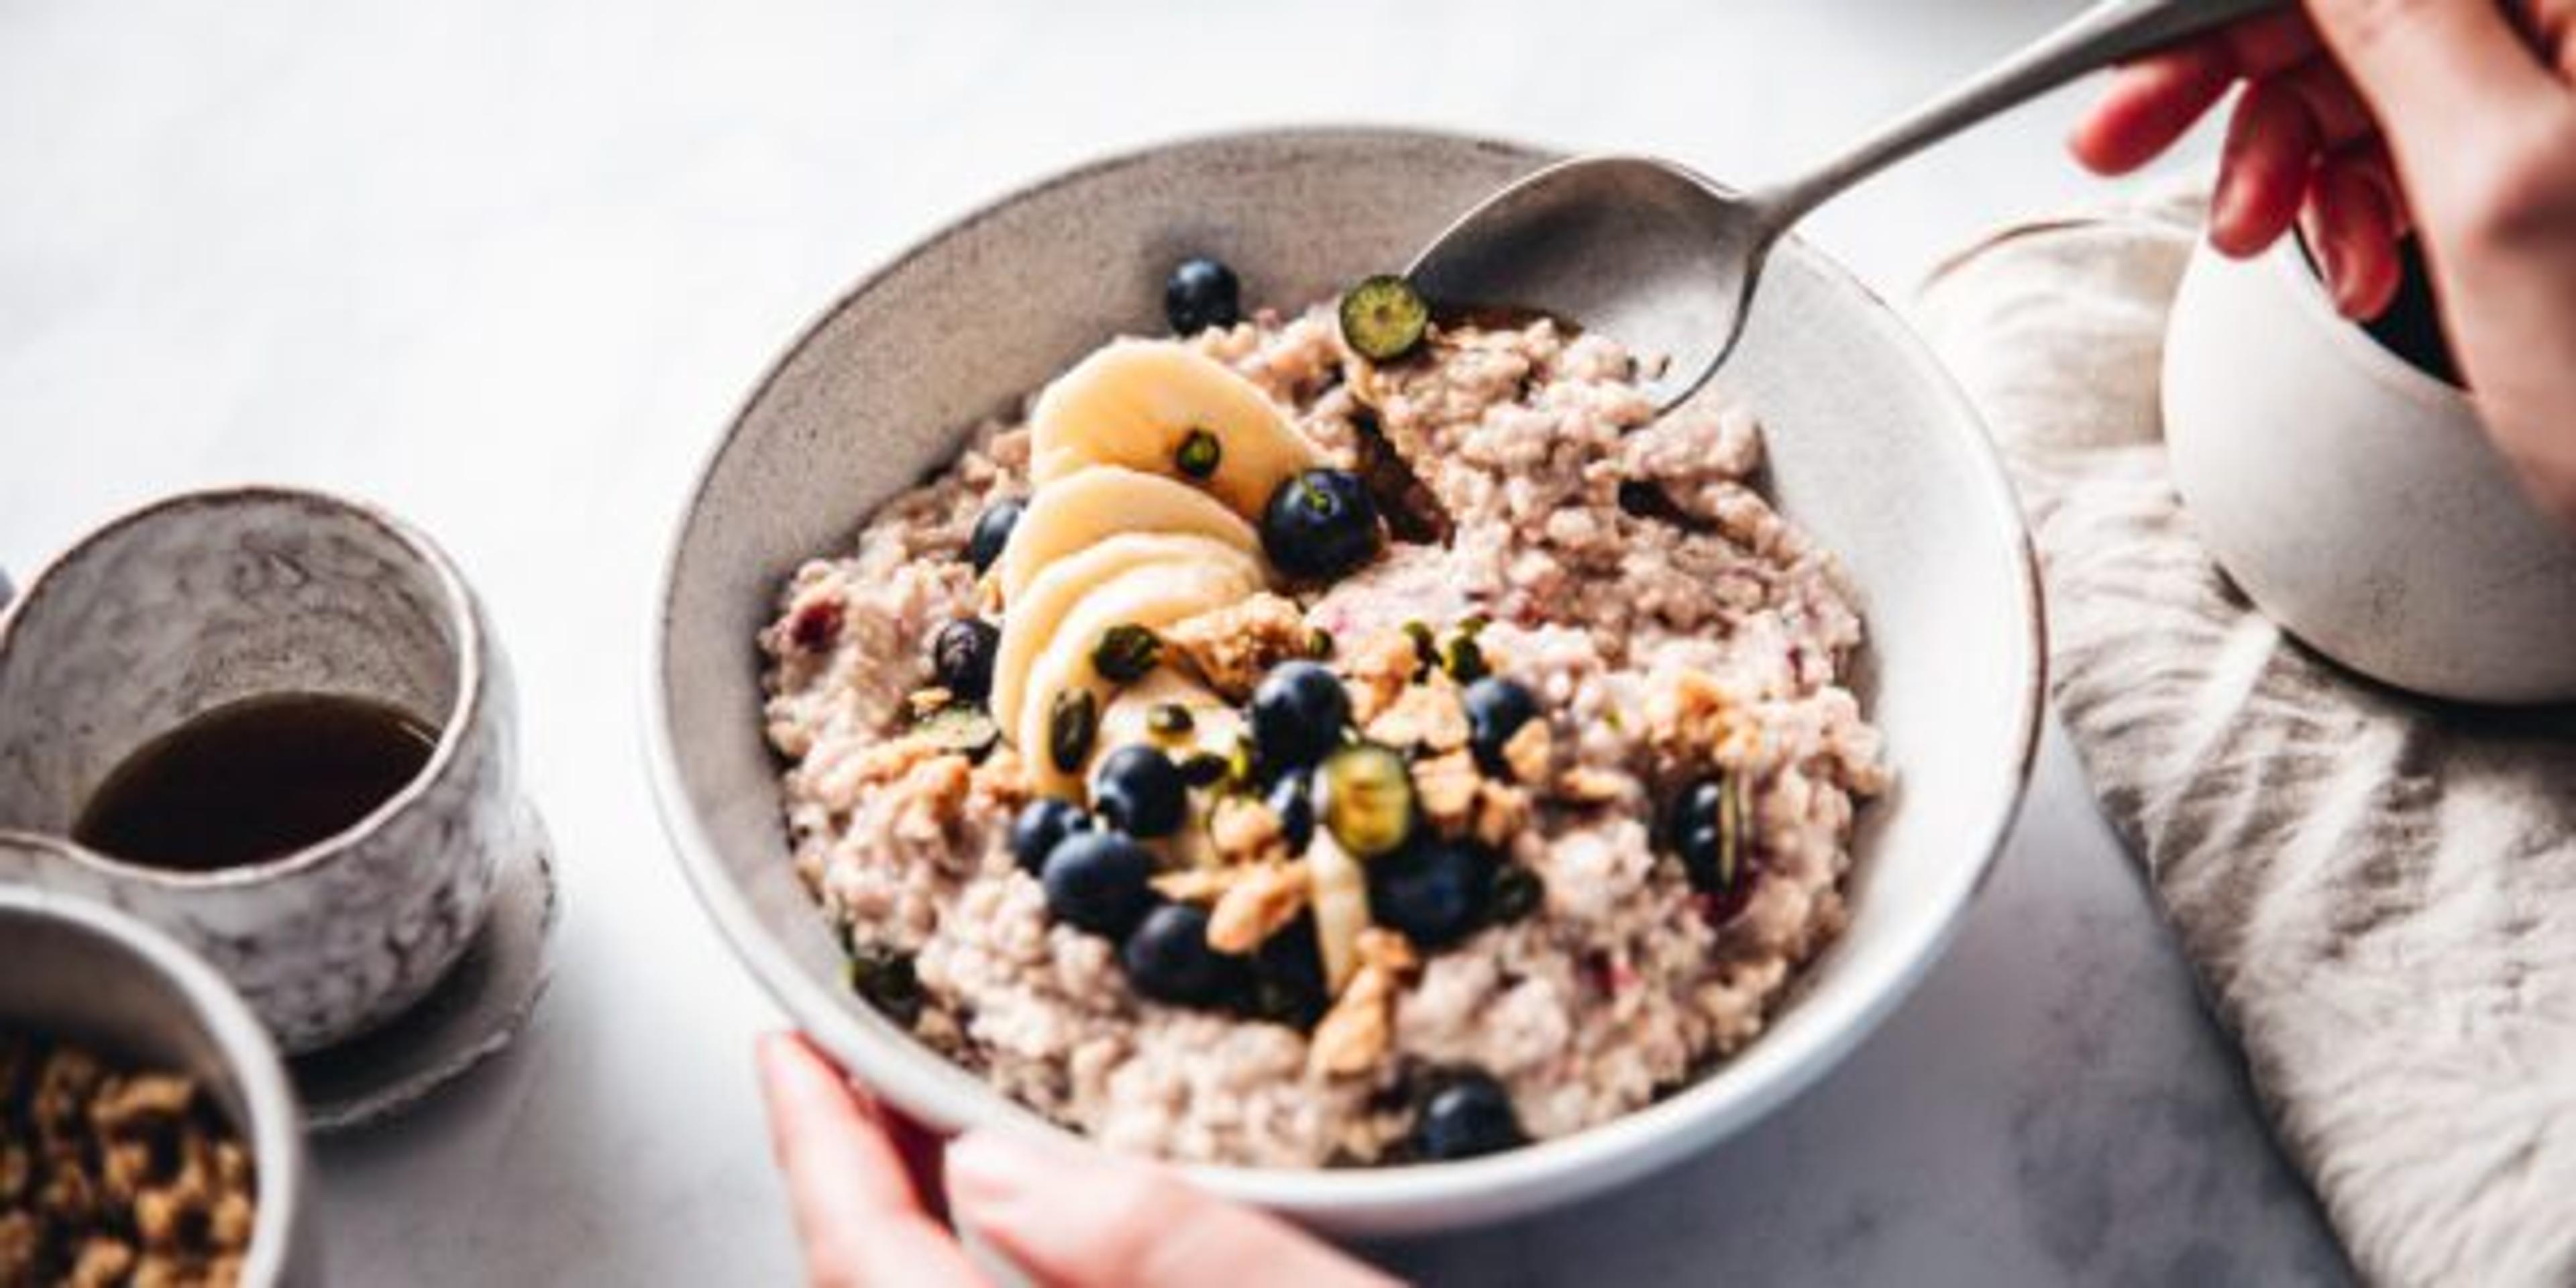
[(1666, 259)]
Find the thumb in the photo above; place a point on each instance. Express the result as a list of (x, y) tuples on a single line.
[(1078, 1217), (2436, 72)]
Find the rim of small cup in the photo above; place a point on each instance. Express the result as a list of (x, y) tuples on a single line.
[(461, 616), (273, 1125)]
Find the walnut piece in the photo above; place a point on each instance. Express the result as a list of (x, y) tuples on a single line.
[(1527, 752), (1256, 907), (1244, 830), (1446, 786), (1426, 716), (1232, 647), (1379, 670)]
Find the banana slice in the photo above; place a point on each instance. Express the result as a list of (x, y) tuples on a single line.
[(1035, 613), (1214, 727), (1153, 596), (1135, 401), (1084, 508)]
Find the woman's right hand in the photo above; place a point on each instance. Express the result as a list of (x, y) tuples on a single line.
[(2362, 118)]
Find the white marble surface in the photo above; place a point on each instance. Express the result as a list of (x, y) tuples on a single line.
[(506, 266)]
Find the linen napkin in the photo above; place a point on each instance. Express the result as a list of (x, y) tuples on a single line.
[(2378, 892)]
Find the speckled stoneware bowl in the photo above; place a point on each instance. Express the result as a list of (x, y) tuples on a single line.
[(1872, 449), (81, 971), (212, 597), (2355, 498)]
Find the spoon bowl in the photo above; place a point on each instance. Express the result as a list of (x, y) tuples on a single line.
[(1687, 252), (1668, 260)]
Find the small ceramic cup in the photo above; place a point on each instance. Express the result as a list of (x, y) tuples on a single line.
[(83, 972), (2355, 498), (214, 597)]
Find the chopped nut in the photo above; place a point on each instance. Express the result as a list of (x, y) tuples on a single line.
[(1231, 647), (1502, 810), (1528, 750), (1197, 885), (1586, 785), (929, 797), (1423, 716), (103, 1262), (1356, 1033), (1255, 908), (1245, 830), (1696, 716), (1446, 788), (1381, 669), (928, 700)]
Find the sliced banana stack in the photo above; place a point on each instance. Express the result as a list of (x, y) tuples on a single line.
[(1032, 617), (1074, 513), (1137, 404), (1064, 682)]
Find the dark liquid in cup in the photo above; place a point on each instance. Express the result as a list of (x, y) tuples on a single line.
[(254, 780)]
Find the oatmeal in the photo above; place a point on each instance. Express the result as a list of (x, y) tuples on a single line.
[(1285, 751)]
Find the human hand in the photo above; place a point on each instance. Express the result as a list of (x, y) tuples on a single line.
[(2363, 118), (871, 1207)]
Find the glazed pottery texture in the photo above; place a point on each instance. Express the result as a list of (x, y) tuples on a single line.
[(82, 971), (215, 597), (2354, 498), (1871, 450)]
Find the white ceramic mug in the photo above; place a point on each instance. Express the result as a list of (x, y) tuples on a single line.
[(2355, 498), (213, 597)]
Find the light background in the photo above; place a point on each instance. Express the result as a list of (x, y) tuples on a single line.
[(507, 266)]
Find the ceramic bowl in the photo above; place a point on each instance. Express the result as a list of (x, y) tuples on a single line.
[(2354, 498), (83, 971), (1872, 449)]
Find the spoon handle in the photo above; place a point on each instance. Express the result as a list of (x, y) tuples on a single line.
[(2109, 32)]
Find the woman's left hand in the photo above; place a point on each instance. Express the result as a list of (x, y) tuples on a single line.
[(871, 1190)]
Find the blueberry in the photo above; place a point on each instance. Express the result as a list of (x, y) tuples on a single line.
[(1096, 881), (1496, 709), (1139, 791), (992, 532), (1298, 711), (1288, 976), (962, 657), (1436, 892), (1168, 959), (1295, 806), (1043, 824), (1710, 829), (1320, 525), (1200, 294), (1467, 1115)]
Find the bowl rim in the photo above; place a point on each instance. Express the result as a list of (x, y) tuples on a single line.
[(275, 1129), (1752, 1083)]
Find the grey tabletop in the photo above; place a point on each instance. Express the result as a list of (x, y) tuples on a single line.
[(506, 266)]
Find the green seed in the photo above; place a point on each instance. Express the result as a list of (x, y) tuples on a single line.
[(1426, 649), (886, 980), (1384, 318), (1198, 454), (1125, 653), (1205, 769), (1319, 643), (1364, 797), (1517, 893), (1463, 660), (1169, 720), (1071, 723)]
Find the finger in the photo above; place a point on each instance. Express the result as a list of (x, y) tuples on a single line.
[(2432, 69), (1078, 1217), (856, 1211), (2352, 225), (924, 1153), (2149, 105), (2263, 170), (2334, 107), (2156, 100)]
